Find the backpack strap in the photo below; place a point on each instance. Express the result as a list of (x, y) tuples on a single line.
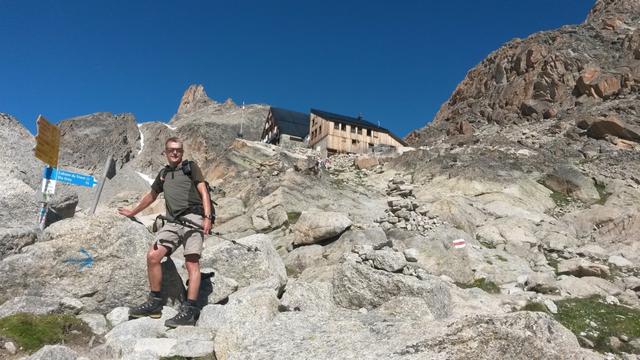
[(163, 173), (155, 223), (186, 168)]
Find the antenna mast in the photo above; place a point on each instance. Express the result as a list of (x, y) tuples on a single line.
[(241, 121)]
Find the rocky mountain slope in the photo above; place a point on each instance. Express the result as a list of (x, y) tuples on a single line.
[(511, 231), (564, 95), (21, 175), (586, 72), (318, 255)]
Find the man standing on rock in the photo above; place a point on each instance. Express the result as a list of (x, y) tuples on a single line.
[(186, 197)]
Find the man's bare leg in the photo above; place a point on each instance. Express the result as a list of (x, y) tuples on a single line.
[(153, 306), (189, 312), (192, 263), (154, 268)]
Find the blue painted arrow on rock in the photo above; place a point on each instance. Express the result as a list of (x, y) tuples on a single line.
[(86, 262)]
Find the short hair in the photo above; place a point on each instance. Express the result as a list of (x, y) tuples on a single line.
[(173, 140)]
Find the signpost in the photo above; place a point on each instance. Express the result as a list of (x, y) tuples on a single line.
[(47, 149), (47, 142), (50, 177)]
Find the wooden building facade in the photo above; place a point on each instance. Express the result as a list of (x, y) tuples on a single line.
[(332, 133)]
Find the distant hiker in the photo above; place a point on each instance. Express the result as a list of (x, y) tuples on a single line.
[(186, 197)]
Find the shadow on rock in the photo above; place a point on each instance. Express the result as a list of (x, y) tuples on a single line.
[(206, 288), (174, 290)]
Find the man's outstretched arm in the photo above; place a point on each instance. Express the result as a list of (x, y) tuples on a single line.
[(206, 205), (146, 200)]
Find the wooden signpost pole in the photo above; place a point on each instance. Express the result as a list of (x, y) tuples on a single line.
[(47, 149)]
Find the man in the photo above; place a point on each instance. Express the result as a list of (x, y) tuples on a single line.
[(186, 196)]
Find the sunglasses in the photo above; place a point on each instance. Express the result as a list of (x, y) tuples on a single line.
[(175, 150)]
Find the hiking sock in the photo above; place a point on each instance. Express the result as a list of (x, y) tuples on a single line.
[(155, 294), (191, 302)]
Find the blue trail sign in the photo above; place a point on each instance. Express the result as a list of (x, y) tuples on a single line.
[(70, 177), (76, 178)]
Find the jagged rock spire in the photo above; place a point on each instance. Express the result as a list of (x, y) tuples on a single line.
[(194, 98)]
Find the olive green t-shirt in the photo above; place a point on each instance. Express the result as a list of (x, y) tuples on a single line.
[(180, 192)]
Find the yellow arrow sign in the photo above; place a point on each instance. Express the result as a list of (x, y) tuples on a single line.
[(47, 142)]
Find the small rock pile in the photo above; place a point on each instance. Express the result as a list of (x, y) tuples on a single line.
[(341, 162), (389, 259), (404, 212), (348, 162), (343, 170), (298, 150), (398, 186)]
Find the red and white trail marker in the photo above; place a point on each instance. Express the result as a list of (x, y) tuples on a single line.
[(458, 243)]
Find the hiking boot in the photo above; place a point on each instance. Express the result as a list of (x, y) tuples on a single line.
[(187, 316), (151, 308)]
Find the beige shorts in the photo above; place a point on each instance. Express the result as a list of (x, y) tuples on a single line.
[(173, 235)]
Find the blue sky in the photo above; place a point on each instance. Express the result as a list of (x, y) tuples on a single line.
[(392, 61)]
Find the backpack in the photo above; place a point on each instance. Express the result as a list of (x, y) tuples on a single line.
[(186, 169)]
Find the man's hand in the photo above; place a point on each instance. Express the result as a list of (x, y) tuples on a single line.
[(146, 200), (126, 212), (206, 226)]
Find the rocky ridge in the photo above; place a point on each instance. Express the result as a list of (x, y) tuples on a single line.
[(207, 127), (568, 93), (563, 75)]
